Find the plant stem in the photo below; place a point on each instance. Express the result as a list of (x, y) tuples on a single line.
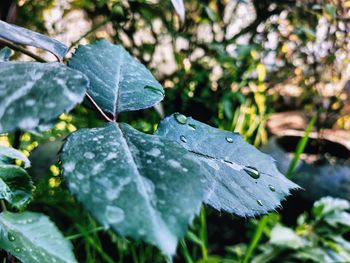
[(22, 50), (85, 233), (185, 251), (203, 234), (97, 108), (3, 205), (301, 146), (256, 238)]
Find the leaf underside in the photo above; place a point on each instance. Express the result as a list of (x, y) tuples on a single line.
[(23, 36), (32, 94), (142, 186), (32, 237), (231, 167), (118, 82)]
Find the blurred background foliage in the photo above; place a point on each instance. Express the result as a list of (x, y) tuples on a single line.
[(232, 64)]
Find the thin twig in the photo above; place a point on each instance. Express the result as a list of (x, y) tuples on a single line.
[(3, 205), (22, 50)]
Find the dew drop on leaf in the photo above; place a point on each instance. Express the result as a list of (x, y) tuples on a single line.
[(17, 250), (192, 126), (259, 202), (89, 155), (252, 172), (183, 138), (180, 118), (229, 139), (114, 214), (11, 237), (272, 188)]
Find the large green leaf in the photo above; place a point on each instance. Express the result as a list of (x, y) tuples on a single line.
[(239, 178), (33, 93), (118, 82), (15, 185), (5, 54), (32, 238), (23, 36), (142, 186), (11, 153)]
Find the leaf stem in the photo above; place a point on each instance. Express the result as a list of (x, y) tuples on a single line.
[(97, 108), (203, 234), (97, 229), (22, 50)]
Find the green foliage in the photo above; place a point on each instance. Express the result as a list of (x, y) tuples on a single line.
[(318, 237), (32, 238), (238, 178)]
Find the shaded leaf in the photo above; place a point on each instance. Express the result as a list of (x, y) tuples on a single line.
[(11, 153), (118, 82), (33, 93), (32, 237), (23, 36), (16, 186), (238, 178), (5, 54), (142, 186)]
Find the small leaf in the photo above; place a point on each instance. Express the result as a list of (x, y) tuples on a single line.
[(23, 36), (238, 178), (180, 9), (15, 186), (5, 54), (13, 154), (142, 186), (33, 93), (328, 205), (118, 82), (32, 237), (285, 237)]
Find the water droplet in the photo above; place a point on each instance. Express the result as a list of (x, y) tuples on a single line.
[(11, 237), (259, 202), (252, 171), (183, 138), (192, 126), (229, 139), (272, 188), (17, 250), (180, 118), (114, 214)]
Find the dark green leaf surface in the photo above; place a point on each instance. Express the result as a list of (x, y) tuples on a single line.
[(11, 153), (16, 185), (118, 82), (5, 54), (33, 238), (142, 186), (238, 177), (33, 93), (23, 36)]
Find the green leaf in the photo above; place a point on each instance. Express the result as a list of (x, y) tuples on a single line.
[(32, 237), (238, 178), (328, 205), (16, 186), (13, 154), (118, 82), (23, 36), (285, 237), (5, 54), (33, 93), (142, 186)]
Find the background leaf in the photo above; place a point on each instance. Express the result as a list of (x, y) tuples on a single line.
[(34, 93), (5, 54), (179, 8), (140, 185), (16, 186), (32, 238), (23, 36), (11, 153), (238, 178), (118, 82)]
